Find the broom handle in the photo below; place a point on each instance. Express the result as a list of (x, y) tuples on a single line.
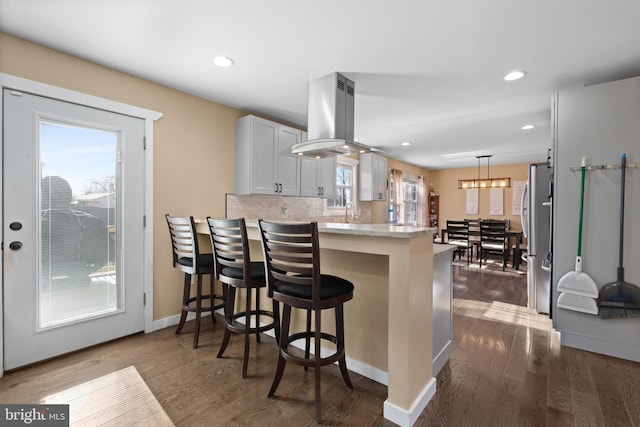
[(581, 203), (623, 166)]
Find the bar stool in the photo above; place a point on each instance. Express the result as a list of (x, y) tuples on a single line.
[(292, 260), (234, 269), (188, 259)]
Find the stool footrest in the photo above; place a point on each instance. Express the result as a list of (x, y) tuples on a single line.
[(204, 298), (303, 361), (240, 328)]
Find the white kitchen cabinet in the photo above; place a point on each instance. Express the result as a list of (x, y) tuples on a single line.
[(263, 160), (373, 177), (318, 177)]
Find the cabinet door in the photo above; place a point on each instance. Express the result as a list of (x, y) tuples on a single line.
[(327, 176), (380, 178), (288, 171), (373, 177), (309, 185), (264, 141)]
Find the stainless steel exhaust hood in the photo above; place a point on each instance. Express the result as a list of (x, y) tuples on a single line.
[(331, 118)]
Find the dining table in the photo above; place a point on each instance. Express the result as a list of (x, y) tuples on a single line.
[(514, 240)]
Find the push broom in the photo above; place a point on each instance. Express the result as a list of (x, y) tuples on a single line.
[(620, 299)]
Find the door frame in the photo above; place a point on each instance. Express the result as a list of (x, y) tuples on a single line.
[(8, 81)]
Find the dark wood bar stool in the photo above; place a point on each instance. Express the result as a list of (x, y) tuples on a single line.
[(292, 259), (188, 259), (234, 269)]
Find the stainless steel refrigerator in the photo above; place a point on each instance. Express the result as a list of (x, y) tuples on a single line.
[(537, 228)]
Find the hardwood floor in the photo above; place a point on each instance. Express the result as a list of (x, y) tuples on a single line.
[(507, 368)]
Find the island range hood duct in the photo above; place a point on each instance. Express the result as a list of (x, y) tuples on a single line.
[(331, 118)]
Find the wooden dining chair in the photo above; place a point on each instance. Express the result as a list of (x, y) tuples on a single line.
[(474, 234), (292, 261), (235, 270), (188, 259), (458, 235), (493, 240)]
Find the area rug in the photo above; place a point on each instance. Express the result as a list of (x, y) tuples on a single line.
[(121, 398)]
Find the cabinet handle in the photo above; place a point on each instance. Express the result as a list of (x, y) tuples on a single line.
[(322, 191), (279, 188), (275, 187)]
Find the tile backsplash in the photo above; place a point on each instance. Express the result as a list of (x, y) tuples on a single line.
[(289, 208)]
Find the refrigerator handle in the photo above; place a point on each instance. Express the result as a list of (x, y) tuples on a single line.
[(524, 211)]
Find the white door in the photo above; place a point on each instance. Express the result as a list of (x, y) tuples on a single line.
[(73, 238)]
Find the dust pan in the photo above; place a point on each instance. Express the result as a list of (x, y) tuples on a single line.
[(577, 282), (620, 298), (577, 303)]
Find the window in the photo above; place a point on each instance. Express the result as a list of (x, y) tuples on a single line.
[(345, 187), (410, 201), (404, 209)]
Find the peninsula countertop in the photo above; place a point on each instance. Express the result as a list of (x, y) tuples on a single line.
[(358, 229)]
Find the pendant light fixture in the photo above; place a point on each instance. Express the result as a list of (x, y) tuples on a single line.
[(488, 182)]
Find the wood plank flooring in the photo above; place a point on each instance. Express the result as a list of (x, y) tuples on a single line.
[(507, 368)]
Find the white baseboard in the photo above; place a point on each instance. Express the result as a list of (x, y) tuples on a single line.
[(406, 418), (441, 359), (174, 320), (593, 345)]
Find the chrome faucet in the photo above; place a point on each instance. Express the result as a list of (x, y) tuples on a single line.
[(346, 212)]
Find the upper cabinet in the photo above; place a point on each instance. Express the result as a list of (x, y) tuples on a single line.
[(373, 177), (318, 177), (263, 160)]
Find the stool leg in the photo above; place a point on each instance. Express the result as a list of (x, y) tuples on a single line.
[(213, 303), (198, 311), (307, 343), (257, 312), (342, 362), (276, 318), (228, 317), (247, 326), (284, 338), (186, 292), (317, 359)]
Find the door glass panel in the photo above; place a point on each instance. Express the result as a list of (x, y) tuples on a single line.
[(78, 223)]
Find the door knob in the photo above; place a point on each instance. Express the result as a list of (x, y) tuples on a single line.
[(14, 246), (15, 226)]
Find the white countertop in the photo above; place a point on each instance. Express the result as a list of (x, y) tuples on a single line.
[(376, 230), (383, 230), (442, 248)]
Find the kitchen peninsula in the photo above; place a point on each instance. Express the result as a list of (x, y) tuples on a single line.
[(389, 321)]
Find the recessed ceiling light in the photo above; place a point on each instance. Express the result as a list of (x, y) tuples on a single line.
[(514, 75), (405, 144), (527, 127), (223, 61)]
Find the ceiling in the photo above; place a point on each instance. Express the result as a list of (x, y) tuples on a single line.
[(428, 72)]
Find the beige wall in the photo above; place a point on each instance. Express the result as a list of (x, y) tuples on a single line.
[(453, 200), (193, 144)]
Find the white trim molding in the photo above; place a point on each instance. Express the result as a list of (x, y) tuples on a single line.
[(406, 418)]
